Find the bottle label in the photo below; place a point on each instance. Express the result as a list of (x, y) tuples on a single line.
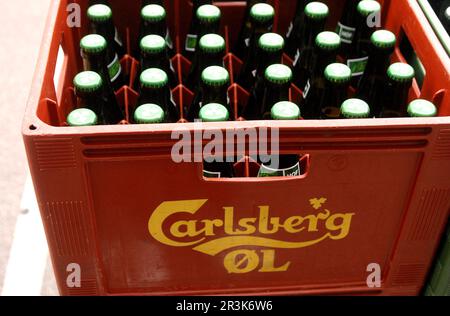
[(118, 39), (191, 42), (169, 41), (346, 33), (297, 57), (114, 69), (212, 175), (357, 65), (306, 89), (289, 31), (293, 171)]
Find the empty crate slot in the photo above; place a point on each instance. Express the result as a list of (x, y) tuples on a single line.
[(252, 167)]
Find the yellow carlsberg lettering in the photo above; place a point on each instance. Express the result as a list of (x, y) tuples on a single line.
[(237, 232)]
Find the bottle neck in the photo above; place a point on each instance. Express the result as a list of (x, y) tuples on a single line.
[(159, 96), (157, 28), (155, 60), (396, 99), (379, 61), (274, 93), (209, 59), (322, 58), (265, 59), (97, 63), (215, 94), (311, 29), (333, 97), (257, 31), (361, 41), (108, 31), (208, 28), (349, 13)]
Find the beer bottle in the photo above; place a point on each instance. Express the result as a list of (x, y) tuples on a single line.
[(315, 16), (355, 109), (210, 53), (277, 83), (153, 22), (101, 23), (293, 36), (422, 108), (154, 55), (288, 165), (93, 51), (215, 112), (347, 25), (396, 93), (373, 80), (149, 113), (89, 92), (337, 81), (155, 89), (245, 31), (270, 51), (82, 117), (325, 52), (261, 16), (192, 35), (266, 51), (325, 97), (214, 89), (358, 51)]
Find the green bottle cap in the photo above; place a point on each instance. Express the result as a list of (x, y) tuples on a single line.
[(271, 42), (212, 43), (328, 40), (355, 108), (87, 81), (99, 13), (338, 73), (208, 13), (82, 117), (154, 78), (422, 108), (383, 39), (278, 74), (317, 10), (285, 110), (214, 112), (367, 7), (215, 76), (153, 13), (93, 43), (153, 44), (149, 114), (401, 72), (262, 12)]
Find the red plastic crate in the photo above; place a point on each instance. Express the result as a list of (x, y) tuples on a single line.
[(113, 201)]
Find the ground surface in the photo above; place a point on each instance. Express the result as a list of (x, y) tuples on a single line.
[(20, 37)]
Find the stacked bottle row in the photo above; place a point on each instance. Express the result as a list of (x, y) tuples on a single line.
[(329, 68)]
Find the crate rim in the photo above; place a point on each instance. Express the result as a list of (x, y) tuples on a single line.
[(32, 124)]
